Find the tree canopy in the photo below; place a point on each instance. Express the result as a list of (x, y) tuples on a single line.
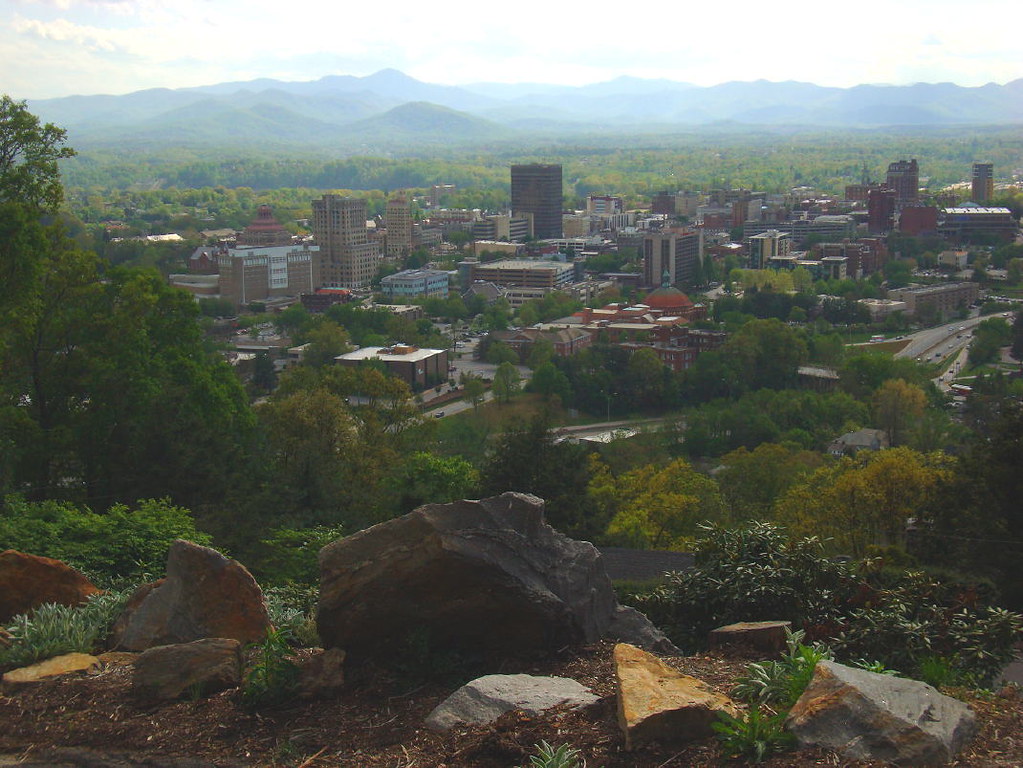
[(29, 151)]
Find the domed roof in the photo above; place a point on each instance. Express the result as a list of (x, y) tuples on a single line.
[(667, 297)]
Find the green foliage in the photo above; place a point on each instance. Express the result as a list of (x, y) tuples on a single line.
[(756, 734), (53, 630), (563, 756), (292, 611), (288, 555), (782, 682), (273, 676), (28, 160), (122, 544)]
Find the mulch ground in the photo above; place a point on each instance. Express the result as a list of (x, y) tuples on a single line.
[(377, 720)]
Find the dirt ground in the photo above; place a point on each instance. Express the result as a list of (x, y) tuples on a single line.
[(377, 720)]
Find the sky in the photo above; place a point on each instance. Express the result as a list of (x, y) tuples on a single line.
[(52, 48)]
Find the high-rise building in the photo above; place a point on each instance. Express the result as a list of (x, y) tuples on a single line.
[(398, 220), (537, 189), (904, 178), (983, 187), (768, 245), (880, 210), (671, 255), (347, 258)]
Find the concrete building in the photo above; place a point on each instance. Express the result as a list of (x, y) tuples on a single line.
[(398, 221), (504, 227), (879, 309), (969, 223), (347, 257), (419, 368), (537, 189), (604, 204), (766, 246), (257, 274), (671, 253), (936, 301), (982, 188), (412, 283), (524, 273), (903, 178)]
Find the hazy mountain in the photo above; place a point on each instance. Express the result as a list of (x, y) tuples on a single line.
[(389, 106)]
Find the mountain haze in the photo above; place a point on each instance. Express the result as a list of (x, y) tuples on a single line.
[(389, 107)]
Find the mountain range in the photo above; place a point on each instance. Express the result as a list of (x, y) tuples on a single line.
[(391, 108)]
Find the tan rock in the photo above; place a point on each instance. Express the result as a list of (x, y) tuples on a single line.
[(58, 665), (658, 703), (766, 636), (117, 659), (194, 669), (28, 581)]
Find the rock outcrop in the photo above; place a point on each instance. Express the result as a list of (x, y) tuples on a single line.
[(487, 698), (54, 667), (484, 576), (204, 595), (28, 581), (200, 668), (658, 703), (867, 716)]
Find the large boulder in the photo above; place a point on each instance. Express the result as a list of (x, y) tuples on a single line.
[(196, 669), (867, 716), (28, 581), (203, 595), (485, 576), (485, 699), (658, 703)]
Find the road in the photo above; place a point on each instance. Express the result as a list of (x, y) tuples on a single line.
[(940, 341)]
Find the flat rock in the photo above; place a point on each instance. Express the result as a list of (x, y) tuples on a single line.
[(487, 698), (58, 665), (867, 716), (486, 576), (28, 581), (205, 594), (322, 674), (658, 703), (199, 668), (766, 636)]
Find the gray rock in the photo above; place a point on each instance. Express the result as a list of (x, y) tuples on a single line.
[(867, 716), (485, 576), (204, 595), (487, 698), (170, 672)]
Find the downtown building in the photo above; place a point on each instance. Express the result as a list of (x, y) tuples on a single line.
[(347, 257), (536, 189), (671, 256)]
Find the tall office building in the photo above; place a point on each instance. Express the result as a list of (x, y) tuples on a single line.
[(347, 258), (983, 188), (904, 178), (880, 210), (671, 255), (398, 220), (537, 189)]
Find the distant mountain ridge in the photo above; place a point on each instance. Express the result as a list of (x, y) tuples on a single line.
[(389, 106)]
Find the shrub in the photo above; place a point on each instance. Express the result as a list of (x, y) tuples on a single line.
[(273, 676), (563, 756), (755, 735), (292, 610), (782, 682), (53, 630)]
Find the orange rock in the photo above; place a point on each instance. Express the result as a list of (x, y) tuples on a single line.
[(58, 665), (28, 581)]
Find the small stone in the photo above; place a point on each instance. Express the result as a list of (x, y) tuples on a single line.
[(487, 698), (323, 674), (197, 669), (58, 665), (765, 636)]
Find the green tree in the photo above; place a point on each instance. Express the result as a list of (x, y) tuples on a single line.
[(474, 389), (429, 479), (29, 155), (506, 381), (898, 406)]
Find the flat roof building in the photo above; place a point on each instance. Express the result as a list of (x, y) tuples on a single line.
[(537, 189)]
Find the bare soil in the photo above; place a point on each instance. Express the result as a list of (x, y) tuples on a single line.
[(377, 720)]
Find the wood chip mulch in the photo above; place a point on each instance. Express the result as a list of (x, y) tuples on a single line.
[(377, 720)]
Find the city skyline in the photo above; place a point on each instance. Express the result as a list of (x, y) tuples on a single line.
[(54, 48)]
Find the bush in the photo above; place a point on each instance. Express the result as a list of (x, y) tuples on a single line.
[(273, 676), (903, 620), (53, 630), (782, 682), (755, 735), (120, 545)]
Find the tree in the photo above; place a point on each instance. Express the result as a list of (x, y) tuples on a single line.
[(506, 381), (29, 152), (898, 406), (752, 481)]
